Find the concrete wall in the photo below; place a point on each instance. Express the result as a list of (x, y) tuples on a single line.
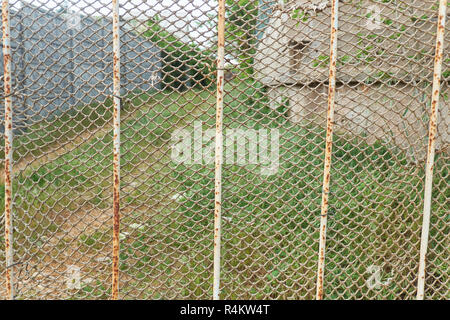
[(59, 67), (402, 47), (395, 115), (384, 75)]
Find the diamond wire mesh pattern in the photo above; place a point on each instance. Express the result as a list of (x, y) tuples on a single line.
[(276, 81)]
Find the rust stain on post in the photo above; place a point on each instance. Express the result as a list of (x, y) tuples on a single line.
[(219, 148), (116, 160), (8, 149), (328, 148), (432, 135)]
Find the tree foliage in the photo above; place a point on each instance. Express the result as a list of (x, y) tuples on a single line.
[(184, 64), (241, 31)]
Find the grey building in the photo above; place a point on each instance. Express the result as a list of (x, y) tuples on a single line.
[(61, 61), (384, 72)]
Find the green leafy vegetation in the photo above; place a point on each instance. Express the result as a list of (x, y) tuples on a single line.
[(241, 32), (271, 223), (183, 63)]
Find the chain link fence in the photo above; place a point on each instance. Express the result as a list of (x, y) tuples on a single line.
[(258, 160)]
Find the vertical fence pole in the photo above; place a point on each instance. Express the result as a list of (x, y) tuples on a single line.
[(219, 148), (8, 148), (432, 135), (116, 161), (328, 148)]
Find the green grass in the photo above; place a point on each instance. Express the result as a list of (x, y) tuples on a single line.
[(375, 209), (59, 129), (271, 224)]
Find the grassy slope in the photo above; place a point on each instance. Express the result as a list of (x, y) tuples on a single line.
[(271, 231)]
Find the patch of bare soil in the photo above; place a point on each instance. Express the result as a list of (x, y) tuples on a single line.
[(65, 263)]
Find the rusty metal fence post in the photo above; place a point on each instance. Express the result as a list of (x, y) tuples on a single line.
[(8, 149), (116, 163), (328, 147), (219, 147), (432, 135)]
